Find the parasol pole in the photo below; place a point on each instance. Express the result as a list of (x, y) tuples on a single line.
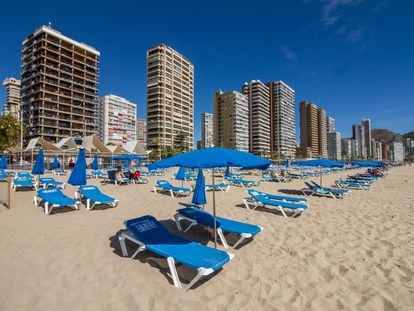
[(214, 213)]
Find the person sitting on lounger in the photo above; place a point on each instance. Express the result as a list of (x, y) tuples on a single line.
[(119, 174)]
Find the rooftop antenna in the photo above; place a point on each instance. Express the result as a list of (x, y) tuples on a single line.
[(49, 24)]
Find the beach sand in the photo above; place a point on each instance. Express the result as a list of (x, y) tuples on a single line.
[(351, 254)]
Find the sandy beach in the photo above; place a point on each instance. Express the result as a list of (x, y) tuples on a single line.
[(351, 254)]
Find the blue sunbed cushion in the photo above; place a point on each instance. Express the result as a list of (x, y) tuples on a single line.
[(227, 225), (278, 197), (95, 195), (258, 196), (55, 196), (159, 240), (23, 182), (50, 181)]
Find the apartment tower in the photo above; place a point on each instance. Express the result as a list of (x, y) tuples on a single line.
[(59, 86), (141, 131), (257, 94), (207, 139), (12, 104), (366, 123), (170, 99), (117, 120), (358, 134), (231, 120), (334, 145), (322, 135), (313, 139), (282, 119)]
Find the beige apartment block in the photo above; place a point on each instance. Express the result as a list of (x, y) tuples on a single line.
[(231, 121), (12, 104), (170, 99), (207, 128)]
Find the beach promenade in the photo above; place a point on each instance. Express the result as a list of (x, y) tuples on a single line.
[(350, 254)]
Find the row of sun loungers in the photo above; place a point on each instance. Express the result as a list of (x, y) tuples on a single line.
[(149, 234), (54, 197)]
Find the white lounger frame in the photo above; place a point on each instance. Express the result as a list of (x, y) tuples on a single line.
[(296, 211), (222, 189), (48, 208), (160, 189), (178, 217), (88, 202), (126, 235)]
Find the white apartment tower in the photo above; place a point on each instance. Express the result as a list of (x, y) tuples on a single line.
[(59, 86), (231, 121), (207, 139), (334, 145), (257, 94), (282, 119), (358, 134), (12, 104), (117, 120), (330, 124), (366, 124), (170, 98)]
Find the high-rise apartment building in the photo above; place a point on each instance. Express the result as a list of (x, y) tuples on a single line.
[(358, 133), (282, 119), (309, 140), (12, 104), (59, 85), (322, 137), (376, 147), (170, 99), (396, 152), (257, 94), (313, 139), (141, 131), (366, 124), (117, 120), (207, 127), (231, 121), (330, 124), (334, 145)]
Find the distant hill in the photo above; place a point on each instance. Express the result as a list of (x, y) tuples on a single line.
[(409, 135), (382, 135)]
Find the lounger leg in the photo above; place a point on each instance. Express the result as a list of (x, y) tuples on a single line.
[(243, 236), (222, 238), (172, 193), (282, 211), (173, 271), (155, 190), (246, 204), (88, 204), (47, 208)]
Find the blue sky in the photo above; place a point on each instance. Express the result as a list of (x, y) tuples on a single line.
[(354, 58)]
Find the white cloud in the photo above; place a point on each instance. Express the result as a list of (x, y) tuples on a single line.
[(288, 54)]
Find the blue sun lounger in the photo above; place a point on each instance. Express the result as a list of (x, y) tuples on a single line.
[(151, 235), (222, 187), (333, 190), (281, 197), (59, 171), (314, 190), (51, 182), (3, 176), (165, 186), (23, 183), (224, 225), (52, 198), (243, 182), (24, 175), (259, 199), (342, 183), (93, 195)]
